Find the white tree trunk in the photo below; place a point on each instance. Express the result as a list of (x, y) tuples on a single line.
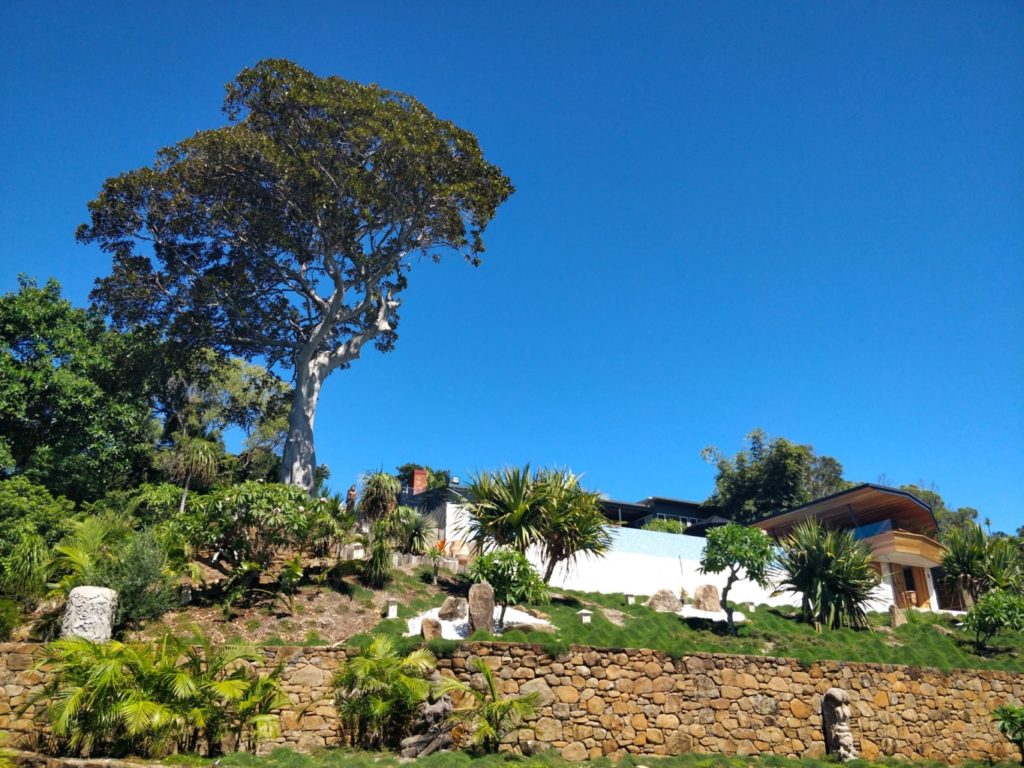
[(298, 466)]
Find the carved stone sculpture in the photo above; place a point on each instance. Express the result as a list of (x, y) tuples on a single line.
[(835, 720), (89, 614)]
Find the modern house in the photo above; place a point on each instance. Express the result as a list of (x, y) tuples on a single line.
[(901, 532), (638, 514)]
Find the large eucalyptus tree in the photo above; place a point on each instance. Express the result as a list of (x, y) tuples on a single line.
[(288, 233)]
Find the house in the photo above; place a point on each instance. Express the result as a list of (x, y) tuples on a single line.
[(901, 532), (637, 514)]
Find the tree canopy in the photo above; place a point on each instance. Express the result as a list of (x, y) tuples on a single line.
[(770, 475), (288, 233)]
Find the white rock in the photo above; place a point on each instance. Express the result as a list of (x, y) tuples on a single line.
[(89, 614)]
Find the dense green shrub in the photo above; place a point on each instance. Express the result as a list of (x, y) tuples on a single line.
[(665, 526), (10, 617), (246, 527), (138, 572), (26, 508), (377, 569), (378, 691), (513, 578), (116, 699), (995, 612)]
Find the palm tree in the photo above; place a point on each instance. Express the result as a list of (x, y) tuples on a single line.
[(378, 691), (573, 523), (193, 459), (379, 496), (832, 573), (507, 508), (491, 714), (964, 558)]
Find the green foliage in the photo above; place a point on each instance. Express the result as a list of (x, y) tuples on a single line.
[(377, 568), (831, 572), (573, 524), (511, 576), (1011, 724), (286, 234), (436, 478), (978, 563), (30, 509), (769, 476), (379, 495), (117, 699), (515, 508), (377, 692), (662, 525), (10, 617), (506, 508), (995, 612), (490, 714), (74, 407), (254, 523), (138, 571), (737, 549)]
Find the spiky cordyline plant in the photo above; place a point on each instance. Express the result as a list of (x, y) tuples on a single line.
[(506, 508), (832, 573), (491, 714), (574, 523)]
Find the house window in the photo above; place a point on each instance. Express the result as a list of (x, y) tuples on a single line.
[(908, 579)]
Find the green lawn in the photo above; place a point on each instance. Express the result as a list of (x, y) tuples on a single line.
[(928, 640), (343, 758)]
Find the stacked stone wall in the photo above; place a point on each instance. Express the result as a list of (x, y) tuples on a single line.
[(612, 702)]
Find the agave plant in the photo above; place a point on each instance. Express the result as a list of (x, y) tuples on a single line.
[(378, 691), (490, 714), (831, 572)]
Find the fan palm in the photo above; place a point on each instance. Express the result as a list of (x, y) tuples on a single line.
[(491, 715), (507, 508), (378, 691), (832, 573)]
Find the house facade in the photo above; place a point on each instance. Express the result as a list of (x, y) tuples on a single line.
[(901, 532)]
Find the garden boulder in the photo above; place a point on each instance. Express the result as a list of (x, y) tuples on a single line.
[(454, 608), (481, 607), (706, 598), (664, 601)]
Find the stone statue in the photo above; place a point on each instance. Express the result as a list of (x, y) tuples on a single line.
[(835, 720), (89, 614), (350, 500)]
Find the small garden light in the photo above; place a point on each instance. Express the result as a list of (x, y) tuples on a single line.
[(392, 608), (585, 615), (630, 599)]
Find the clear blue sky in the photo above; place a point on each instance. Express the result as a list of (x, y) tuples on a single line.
[(803, 216)]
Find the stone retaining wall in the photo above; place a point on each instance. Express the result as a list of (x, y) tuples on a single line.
[(611, 702)]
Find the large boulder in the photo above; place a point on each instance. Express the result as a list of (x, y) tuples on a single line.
[(454, 608), (664, 601), (430, 629), (706, 598), (89, 614), (481, 607)]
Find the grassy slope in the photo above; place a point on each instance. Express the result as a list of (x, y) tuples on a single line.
[(768, 631), (340, 758)]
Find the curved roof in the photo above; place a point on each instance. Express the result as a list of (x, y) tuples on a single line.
[(860, 505)]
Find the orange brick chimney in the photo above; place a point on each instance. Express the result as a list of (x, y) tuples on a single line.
[(419, 481)]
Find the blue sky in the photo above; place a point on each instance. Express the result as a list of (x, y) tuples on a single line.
[(807, 217)]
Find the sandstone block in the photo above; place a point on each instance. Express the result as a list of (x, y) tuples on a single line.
[(481, 607), (454, 608), (706, 598)]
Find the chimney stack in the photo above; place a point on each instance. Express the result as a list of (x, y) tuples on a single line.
[(419, 481)]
